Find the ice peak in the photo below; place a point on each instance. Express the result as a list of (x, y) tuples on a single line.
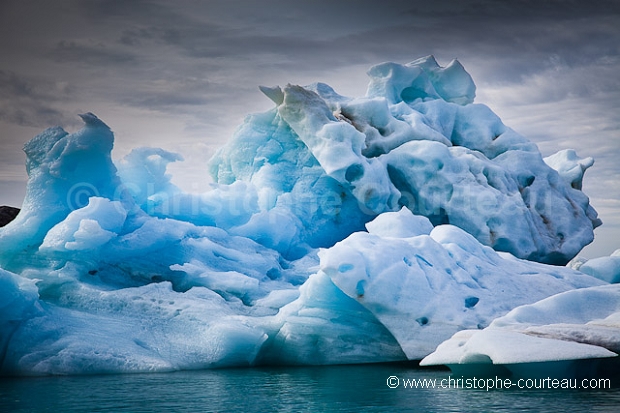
[(421, 80), (90, 119), (274, 93)]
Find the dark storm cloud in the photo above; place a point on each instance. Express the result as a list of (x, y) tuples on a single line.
[(29, 102), (506, 41), (172, 94), (93, 54), (139, 53)]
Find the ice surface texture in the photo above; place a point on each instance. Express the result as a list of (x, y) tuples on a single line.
[(605, 268), (575, 325), (339, 231), (424, 288), (415, 140)]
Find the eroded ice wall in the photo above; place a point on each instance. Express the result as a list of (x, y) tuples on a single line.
[(416, 140)]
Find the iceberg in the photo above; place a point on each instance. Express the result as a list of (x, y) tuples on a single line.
[(338, 230), (554, 336), (604, 268), (424, 288), (415, 140)]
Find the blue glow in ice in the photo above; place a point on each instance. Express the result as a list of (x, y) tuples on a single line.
[(339, 230)]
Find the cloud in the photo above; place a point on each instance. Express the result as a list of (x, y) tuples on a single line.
[(32, 102), (90, 54)]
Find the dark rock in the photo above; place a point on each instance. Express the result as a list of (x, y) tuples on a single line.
[(7, 214)]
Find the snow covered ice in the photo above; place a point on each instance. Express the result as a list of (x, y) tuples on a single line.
[(338, 230), (415, 140), (552, 336), (605, 268), (427, 287)]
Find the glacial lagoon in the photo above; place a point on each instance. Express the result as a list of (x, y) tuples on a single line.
[(351, 388)]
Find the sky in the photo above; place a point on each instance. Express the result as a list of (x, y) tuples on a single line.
[(182, 75)]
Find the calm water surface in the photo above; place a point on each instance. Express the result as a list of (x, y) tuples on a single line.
[(290, 389)]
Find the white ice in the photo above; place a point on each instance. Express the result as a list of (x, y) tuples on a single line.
[(574, 325), (604, 268), (426, 287), (415, 140)]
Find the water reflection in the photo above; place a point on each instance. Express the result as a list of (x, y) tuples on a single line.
[(282, 389)]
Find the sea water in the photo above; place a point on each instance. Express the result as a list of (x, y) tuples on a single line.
[(374, 388)]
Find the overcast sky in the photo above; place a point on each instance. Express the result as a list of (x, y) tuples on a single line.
[(182, 74)]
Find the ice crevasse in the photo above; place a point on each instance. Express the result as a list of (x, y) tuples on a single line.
[(339, 230)]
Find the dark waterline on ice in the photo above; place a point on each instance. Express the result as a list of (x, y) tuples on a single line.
[(283, 389)]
